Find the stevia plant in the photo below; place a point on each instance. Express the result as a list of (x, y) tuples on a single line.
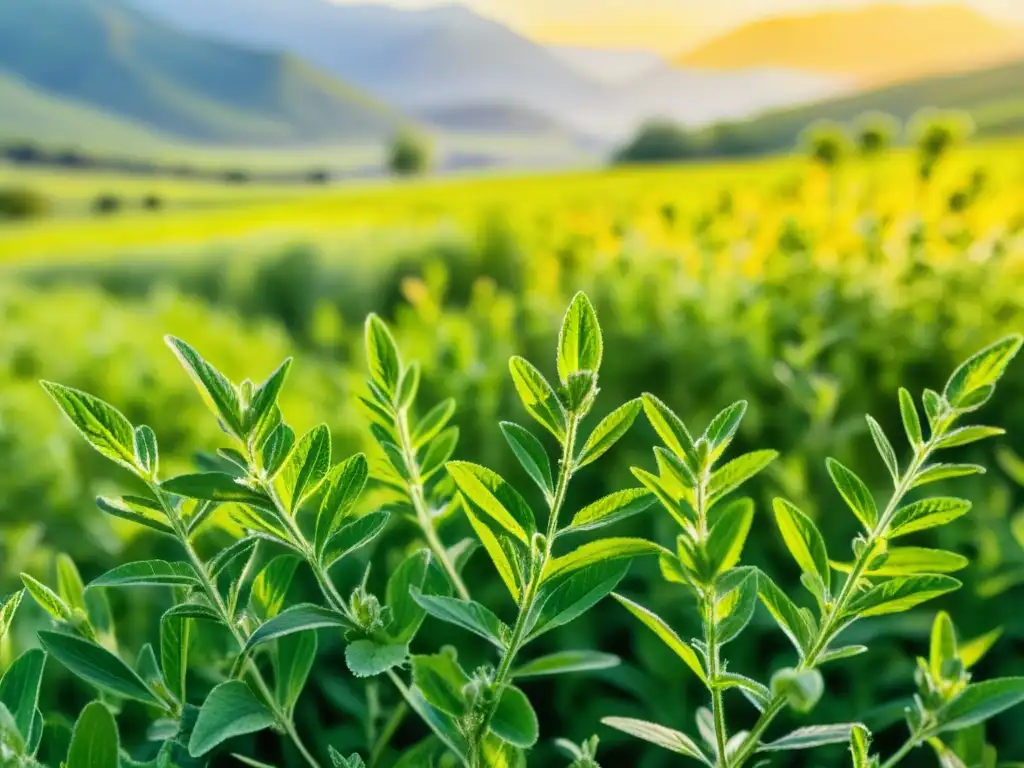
[(296, 508), (693, 486)]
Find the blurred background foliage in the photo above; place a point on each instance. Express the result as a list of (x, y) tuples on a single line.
[(813, 289)]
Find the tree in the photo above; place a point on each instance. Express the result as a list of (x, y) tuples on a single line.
[(935, 133), (828, 145), (658, 141), (875, 132), (411, 154), (22, 203)]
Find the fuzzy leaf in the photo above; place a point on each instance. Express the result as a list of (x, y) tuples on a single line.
[(366, 658), (564, 600), (926, 513), (344, 483), (785, 613), (441, 681), (305, 468), (94, 741), (564, 662), (669, 427), (981, 371), (911, 421), (354, 535), (531, 454), (732, 475), (935, 472), (467, 614), (601, 550), (611, 509), (722, 428), (230, 710), (502, 550), (855, 493), (96, 665), (7, 610), (490, 495), (102, 425), (885, 449), (149, 573), (214, 486), (19, 689), (900, 594), (908, 561), (297, 618), (538, 397), (382, 355), (665, 633), (980, 701), (514, 720), (803, 540), (735, 603), (130, 508), (811, 736), (433, 422), (217, 392), (608, 432), (728, 535), (967, 435), (579, 341), (666, 738)]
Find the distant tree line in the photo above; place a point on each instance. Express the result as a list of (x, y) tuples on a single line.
[(873, 132)]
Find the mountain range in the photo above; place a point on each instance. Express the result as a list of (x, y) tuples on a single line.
[(312, 72)]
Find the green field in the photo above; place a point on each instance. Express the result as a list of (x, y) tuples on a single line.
[(812, 297)]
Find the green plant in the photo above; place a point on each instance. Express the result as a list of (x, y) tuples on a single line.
[(693, 486), (232, 641), (410, 155)]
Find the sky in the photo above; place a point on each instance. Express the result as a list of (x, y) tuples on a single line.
[(668, 26)]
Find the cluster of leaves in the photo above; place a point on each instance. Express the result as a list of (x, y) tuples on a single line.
[(882, 579), (297, 507)]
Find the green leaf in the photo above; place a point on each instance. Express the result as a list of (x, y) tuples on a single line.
[(305, 468), (96, 665), (270, 588), (908, 561), (297, 618), (935, 472), (732, 475), (102, 425), (433, 422), (885, 449), (562, 601), (230, 710), (802, 689), (276, 448), (803, 540), (900, 594), (69, 583), (217, 392), (855, 493), (611, 509), (608, 432), (811, 736), (736, 598), (366, 658), (843, 652), (198, 611), (979, 702), (911, 421), (756, 693), (148, 573), (438, 452), (147, 455), (860, 744), (669, 427), (133, 509), (406, 613), (94, 742), (514, 720), (942, 646), (408, 386), (728, 535), (441, 681), (666, 738), (19, 689), (502, 551), (565, 662), (926, 513), (354, 536), (382, 355), (981, 371), (538, 397), (47, 599), (785, 613), (579, 341), (972, 650), (531, 454), (722, 428), (7, 610), (344, 484), (214, 486), (490, 495), (967, 435), (658, 626), (264, 399), (467, 614), (601, 550), (175, 639)]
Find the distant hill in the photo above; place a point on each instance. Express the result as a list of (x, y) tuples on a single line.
[(490, 118), (992, 96), (114, 59), (449, 58), (878, 43), (53, 121)]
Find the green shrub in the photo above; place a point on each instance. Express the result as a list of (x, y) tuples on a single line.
[(22, 203), (293, 506), (410, 154)]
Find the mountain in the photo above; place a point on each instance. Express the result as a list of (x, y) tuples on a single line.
[(490, 118), (117, 60), (875, 44), (992, 96), (608, 65)]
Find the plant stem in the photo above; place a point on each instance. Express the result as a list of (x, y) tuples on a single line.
[(903, 751), (419, 504), (529, 596), (215, 598), (835, 620), (390, 727)]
